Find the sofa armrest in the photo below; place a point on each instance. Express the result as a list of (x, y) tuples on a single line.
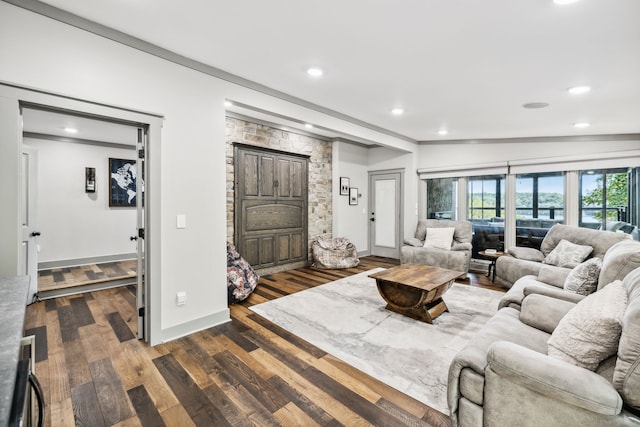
[(554, 378), (543, 312), (461, 247), (413, 241), (560, 294), (528, 254)]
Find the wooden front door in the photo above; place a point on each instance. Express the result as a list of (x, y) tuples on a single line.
[(270, 206)]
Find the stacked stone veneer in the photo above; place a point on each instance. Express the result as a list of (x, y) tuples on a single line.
[(319, 186)]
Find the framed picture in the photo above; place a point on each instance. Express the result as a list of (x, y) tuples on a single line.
[(344, 186), (353, 196), (122, 183)]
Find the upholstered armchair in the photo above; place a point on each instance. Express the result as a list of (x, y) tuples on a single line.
[(453, 253)]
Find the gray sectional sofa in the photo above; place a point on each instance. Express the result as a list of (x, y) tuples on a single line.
[(510, 372), (528, 261)]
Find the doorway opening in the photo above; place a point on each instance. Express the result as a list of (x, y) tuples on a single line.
[(84, 216)]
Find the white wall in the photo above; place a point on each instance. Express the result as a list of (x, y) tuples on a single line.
[(350, 160), (75, 224), (39, 52)]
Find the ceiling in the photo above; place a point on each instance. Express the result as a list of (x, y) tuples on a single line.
[(467, 66)]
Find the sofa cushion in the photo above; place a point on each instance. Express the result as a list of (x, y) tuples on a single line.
[(621, 259), (590, 331), (553, 275), (583, 279), (567, 254), (626, 376), (439, 238)]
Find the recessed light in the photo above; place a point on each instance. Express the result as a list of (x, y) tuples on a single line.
[(581, 125), (315, 72), (579, 90), (228, 104), (563, 2), (308, 125), (71, 130), (534, 105), (397, 111), (443, 132)]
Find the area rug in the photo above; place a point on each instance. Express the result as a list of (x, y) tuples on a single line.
[(347, 319)]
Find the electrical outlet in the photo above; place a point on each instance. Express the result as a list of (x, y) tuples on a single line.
[(181, 298)]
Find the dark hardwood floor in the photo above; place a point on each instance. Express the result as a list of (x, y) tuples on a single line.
[(94, 371)]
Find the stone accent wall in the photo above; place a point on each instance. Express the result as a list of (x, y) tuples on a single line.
[(320, 152)]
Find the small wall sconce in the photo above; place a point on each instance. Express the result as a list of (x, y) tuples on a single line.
[(89, 180)]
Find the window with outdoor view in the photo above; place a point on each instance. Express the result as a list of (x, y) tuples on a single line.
[(485, 209), (604, 200), (539, 206)]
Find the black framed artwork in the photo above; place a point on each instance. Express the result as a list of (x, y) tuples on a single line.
[(344, 186), (353, 196), (123, 175)]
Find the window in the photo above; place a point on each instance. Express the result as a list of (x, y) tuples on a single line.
[(485, 199), (442, 196), (604, 200), (539, 205), (485, 209)]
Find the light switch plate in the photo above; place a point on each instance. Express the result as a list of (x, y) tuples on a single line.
[(181, 221)]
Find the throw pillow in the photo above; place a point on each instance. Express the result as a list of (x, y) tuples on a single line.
[(567, 254), (589, 333), (439, 238), (583, 279)]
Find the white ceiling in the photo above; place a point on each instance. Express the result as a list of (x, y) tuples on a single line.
[(465, 65)]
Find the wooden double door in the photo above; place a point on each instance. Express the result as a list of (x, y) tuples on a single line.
[(271, 212)]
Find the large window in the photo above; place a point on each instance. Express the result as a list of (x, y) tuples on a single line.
[(539, 205), (485, 209), (485, 199), (604, 199)]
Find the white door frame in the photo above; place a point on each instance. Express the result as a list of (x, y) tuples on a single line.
[(11, 99), (399, 213), (28, 218)]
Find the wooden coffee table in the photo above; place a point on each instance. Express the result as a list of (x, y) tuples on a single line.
[(415, 290)]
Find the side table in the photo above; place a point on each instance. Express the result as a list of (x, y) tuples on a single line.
[(493, 257)]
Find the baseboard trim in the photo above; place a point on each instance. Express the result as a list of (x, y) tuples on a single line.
[(196, 325), (66, 263)]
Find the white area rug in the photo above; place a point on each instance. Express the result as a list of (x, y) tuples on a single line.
[(347, 319)]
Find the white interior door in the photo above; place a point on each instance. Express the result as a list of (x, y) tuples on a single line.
[(30, 233), (385, 189)]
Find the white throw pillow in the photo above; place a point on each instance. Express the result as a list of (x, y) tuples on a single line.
[(589, 333), (439, 238), (583, 279), (567, 254)]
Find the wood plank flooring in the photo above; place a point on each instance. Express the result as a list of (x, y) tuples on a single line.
[(94, 372), (61, 278)]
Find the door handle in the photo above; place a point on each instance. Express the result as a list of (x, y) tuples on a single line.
[(132, 238), (35, 234)]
